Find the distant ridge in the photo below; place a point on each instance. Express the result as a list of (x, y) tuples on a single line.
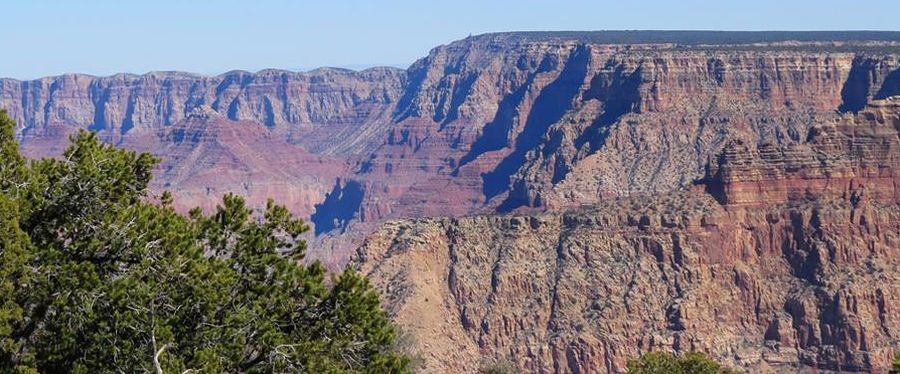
[(231, 73), (694, 37), (687, 38)]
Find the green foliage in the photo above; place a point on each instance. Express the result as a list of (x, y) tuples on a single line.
[(665, 363), (96, 279), (895, 368)]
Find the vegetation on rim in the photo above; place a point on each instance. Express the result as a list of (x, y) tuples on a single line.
[(665, 363), (94, 278)]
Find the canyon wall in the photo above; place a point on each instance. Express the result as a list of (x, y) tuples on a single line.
[(785, 288), (501, 122), (124, 105), (271, 134), (490, 123), (733, 193), (783, 259), (505, 122)]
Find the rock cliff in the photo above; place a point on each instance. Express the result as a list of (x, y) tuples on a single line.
[(509, 122), (790, 287), (494, 122), (729, 192), (120, 106), (501, 122), (854, 158), (782, 259), (270, 134)]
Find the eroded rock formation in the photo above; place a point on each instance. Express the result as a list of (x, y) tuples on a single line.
[(854, 158), (343, 102), (495, 122), (795, 267), (783, 256)]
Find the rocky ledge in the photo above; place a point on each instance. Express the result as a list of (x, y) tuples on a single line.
[(785, 258), (857, 157)]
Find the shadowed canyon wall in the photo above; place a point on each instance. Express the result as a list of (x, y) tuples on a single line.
[(490, 123), (733, 193), (784, 258)]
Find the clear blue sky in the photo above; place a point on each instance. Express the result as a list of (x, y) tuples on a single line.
[(210, 37)]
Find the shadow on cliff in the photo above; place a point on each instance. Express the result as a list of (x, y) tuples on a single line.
[(891, 86), (549, 107), (495, 135), (416, 76), (339, 207), (620, 94), (860, 87), (855, 93)]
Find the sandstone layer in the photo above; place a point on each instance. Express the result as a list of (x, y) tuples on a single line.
[(782, 259), (493, 122), (790, 287), (734, 193)]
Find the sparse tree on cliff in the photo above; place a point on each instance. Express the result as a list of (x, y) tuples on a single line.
[(665, 363), (94, 278)]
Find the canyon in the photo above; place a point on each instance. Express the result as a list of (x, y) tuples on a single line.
[(782, 259), (561, 201)]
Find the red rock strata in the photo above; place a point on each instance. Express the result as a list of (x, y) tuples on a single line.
[(492, 122), (796, 267), (854, 158), (787, 258)]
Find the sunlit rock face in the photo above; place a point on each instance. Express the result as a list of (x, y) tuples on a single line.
[(784, 258), (277, 134), (733, 193), (495, 122)]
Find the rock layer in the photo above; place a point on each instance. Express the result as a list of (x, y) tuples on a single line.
[(493, 122), (125, 104), (791, 262), (854, 158), (784, 256), (783, 288)]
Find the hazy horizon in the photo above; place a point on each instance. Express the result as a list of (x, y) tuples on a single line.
[(105, 37)]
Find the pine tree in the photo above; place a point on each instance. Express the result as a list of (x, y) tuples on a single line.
[(665, 363), (95, 278)]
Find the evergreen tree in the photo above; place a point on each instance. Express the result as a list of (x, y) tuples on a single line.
[(665, 363), (95, 278)]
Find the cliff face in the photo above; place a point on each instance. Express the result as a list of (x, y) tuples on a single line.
[(500, 122), (855, 158), (204, 156), (784, 258), (272, 134), (124, 106), (781, 288), (784, 254), (491, 123)]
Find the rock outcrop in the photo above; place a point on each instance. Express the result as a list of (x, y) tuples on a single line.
[(783, 259), (342, 104), (790, 287), (855, 158), (783, 256), (495, 122)]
